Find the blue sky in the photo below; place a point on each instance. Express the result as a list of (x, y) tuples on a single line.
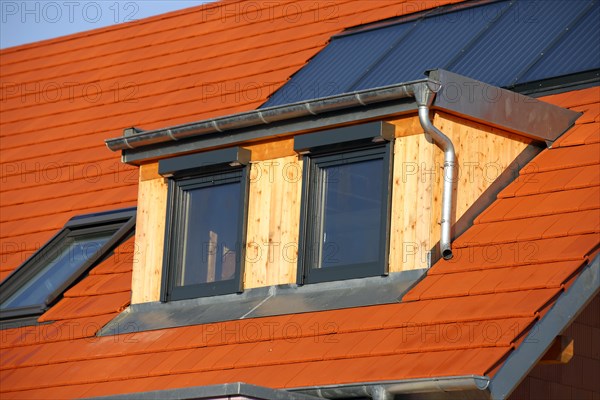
[(26, 21)]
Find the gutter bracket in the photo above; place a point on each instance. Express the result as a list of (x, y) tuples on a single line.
[(131, 131)]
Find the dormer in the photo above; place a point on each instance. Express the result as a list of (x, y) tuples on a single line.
[(372, 185)]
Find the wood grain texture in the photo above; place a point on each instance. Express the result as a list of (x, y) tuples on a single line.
[(273, 217), (275, 191), (271, 149), (149, 237), (483, 153)]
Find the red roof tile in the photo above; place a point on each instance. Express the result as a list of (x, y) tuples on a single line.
[(509, 267), (100, 82)]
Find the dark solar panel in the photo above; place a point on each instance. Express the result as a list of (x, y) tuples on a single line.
[(503, 43)]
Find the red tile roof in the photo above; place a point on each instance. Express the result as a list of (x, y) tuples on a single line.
[(62, 97), (463, 318)]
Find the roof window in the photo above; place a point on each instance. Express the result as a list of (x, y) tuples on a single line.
[(44, 277)]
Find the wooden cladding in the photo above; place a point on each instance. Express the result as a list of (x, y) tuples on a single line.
[(273, 222), (149, 235), (482, 152), (275, 189)]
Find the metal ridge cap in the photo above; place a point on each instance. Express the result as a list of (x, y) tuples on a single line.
[(266, 115)]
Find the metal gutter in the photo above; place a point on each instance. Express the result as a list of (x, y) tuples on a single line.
[(458, 95), (560, 316), (238, 390), (264, 116), (471, 387)]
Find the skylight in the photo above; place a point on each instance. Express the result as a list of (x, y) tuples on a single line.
[(42, 279)]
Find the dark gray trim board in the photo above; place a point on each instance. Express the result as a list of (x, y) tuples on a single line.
[(227, 390), (377, 131), (263, 302), (232, 156), (559, 317), (299, 125)]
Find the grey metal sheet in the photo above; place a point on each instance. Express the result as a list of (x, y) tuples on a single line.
[(575, 52), (518, 37), (338, 66), (500, 107), (236, 390), (265, 301), (502, 43), (432, 44)]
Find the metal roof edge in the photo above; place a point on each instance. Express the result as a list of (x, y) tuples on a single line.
[(501, 108), (134, 138), (454, 94), (266, 301), (237, 390), (561, 315)]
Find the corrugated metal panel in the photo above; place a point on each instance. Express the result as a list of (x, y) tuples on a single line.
[(517, 38), (576, 51), (339, 65), (430, 45), (502, 43)]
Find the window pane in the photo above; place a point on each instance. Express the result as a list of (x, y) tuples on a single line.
[(351, 207), (63, 262), (211, 235)]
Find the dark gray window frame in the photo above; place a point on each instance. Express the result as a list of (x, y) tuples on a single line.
[(196, 171), (123, 221), (365, 142)]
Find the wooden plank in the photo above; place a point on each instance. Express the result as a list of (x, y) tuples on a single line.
[(408, 125), (148, 172), (149, 239), (482, 153), (273, 217), (271, 150), (560, 352), (411, 203)]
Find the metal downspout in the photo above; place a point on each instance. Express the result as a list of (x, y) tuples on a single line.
[(424, 95)]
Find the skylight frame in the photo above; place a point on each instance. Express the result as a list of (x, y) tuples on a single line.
[(122, 221)]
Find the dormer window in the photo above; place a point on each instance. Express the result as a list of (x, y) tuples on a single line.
[(42, 279), (346, 193), (206, 223)]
